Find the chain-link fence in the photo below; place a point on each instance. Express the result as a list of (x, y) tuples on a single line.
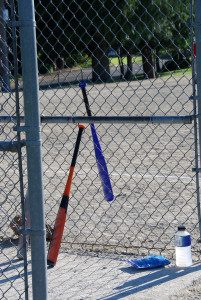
[(137, 60)]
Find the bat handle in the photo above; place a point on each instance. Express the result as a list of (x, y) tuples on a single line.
[(82, 85)]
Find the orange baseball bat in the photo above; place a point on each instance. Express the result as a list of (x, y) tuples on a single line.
[(55, 242)]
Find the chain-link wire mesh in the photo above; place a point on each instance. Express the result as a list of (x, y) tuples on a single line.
[(150, 165), (136, 58), (13, 271)]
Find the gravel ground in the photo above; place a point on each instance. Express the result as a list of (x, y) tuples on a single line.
[(155, 190), (192, 292)]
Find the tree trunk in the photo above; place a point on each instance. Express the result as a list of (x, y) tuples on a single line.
[(129, 72), (147, 61), (158, 69), (100, 60), (121, 64)]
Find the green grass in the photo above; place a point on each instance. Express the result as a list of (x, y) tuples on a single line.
[(115, 61), (175, 73)]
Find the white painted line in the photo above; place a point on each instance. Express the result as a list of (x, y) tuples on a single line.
[(137, 175), (153, 176)]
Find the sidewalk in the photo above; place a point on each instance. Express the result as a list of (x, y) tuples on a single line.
[(87, 277)]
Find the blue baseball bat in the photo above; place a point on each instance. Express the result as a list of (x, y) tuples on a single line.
[(102, 167)]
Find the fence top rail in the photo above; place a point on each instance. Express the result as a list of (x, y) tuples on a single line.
[(113, 119)]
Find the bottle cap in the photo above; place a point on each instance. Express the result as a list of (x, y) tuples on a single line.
[(181, 227)]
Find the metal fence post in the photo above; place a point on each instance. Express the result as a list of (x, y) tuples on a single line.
[(33, 146), (198, 61), (4, 65)]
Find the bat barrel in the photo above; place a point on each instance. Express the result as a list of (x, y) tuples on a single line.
[(101, 164)]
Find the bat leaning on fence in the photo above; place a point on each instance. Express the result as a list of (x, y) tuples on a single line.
[(62, 212), (102, 167)]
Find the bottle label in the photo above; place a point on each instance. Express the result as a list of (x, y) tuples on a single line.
[(182, 241)]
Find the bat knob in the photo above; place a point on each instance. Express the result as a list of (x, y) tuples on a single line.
[(82, 84), (82, 126), (50, 263)]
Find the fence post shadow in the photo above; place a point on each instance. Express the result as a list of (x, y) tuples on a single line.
[(154, 278)]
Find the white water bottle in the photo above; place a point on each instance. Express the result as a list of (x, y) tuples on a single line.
[(183, 247)]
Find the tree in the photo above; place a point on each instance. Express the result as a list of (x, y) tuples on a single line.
[(156, 27), (179, 44), (146, 21), (70, 29)]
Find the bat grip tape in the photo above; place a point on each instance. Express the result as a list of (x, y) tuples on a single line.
[(77, 146), (86, 102)]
